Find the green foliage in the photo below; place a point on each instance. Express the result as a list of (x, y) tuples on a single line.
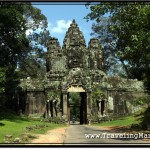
[(95, 119), (97, 94), (102, 30), (16, 19), (53, 94), (144, 118), (2, 80), (75, 98), (57, 120), (21, 55), (124, 121), (143, 100), (22, 127), (12, 34), (33, 64), (30, 67), (138, 121), (124, 31)]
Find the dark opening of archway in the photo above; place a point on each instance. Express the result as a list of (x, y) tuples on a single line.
[(102, 107), (83, 108), (77, 108)]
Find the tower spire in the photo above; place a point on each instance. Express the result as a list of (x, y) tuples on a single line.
[(74, 36), (73, 21)]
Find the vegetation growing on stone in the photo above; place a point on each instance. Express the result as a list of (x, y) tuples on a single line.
[(38, 83)]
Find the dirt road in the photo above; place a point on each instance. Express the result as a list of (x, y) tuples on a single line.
[(55, 136), (85, 134)]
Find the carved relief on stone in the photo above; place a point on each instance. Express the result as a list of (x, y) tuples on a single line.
[(54, 51), (95, 54), (75, 66), (75, 76), (75, 58), (53, 44), (73, 37), (99, 59), (94, 44)]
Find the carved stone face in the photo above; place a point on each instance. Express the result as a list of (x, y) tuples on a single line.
[(75, 31), (94, 44), (75, 72), (75, 59), (74, 63), (74, 42)]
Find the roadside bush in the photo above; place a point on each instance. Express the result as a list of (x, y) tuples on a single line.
[(94, 119), (56, 120), (145, 120), (136, 127)]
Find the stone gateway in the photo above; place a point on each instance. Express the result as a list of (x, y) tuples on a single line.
[(77, 68)]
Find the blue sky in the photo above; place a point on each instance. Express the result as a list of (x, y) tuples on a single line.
[(60, 16)]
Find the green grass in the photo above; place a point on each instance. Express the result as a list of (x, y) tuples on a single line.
[(11, 124), (124, 121)]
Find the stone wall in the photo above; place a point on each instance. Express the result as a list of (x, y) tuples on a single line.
[(35, 103), (119, 96), (122, 102), (77, 67)]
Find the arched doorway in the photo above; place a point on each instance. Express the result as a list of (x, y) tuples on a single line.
[(82, 106), (77, 107)]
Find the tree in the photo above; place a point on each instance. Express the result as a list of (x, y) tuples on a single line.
[(13, 41), (33, 64), (74, 100), (15, 47), (2, 80), (12, 34), (101, 29), (130, 31)]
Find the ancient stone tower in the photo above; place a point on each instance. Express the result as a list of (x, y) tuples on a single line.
[(74, 63), (75, 67)]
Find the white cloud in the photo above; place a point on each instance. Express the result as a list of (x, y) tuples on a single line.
[(61, 26), (29, 25), (29, 31)]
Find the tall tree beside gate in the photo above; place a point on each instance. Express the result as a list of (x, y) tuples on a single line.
[(128, 32)]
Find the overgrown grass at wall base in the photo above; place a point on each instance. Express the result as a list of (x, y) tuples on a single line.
[(22, 127), (137, 121), (124, 121)]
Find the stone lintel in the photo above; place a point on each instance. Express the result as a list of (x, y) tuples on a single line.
[(76, 89)]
